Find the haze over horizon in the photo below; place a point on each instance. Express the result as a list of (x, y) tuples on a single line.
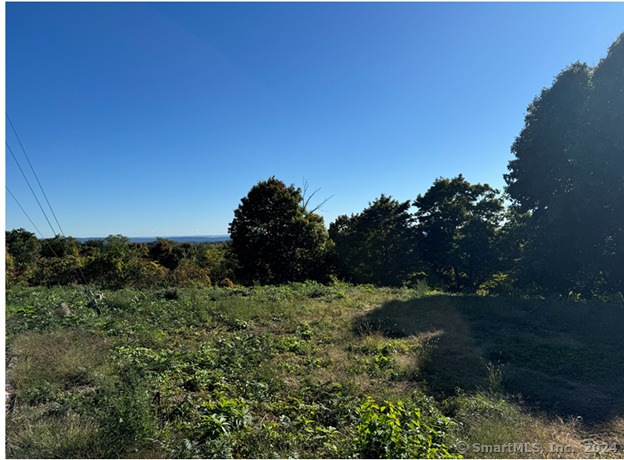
[(148, 119)]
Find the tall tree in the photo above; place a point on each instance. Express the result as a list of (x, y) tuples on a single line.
[(606, 138), (23, 246), (547, 149), (274, 238), (375, 246), (457, 225), (60, 246), (568, 173)]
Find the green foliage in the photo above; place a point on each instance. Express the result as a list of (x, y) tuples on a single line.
[(124, 410), (113, 262), (57, 271), (274, 238), (60, 247), (375, 246), (380, 363), (284, 371), (22, 250), (217, 259), (457, 226), (400, 431), (567, 172), (189, 274), (23, 246)]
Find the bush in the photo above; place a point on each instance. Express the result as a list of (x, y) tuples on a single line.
[(399, 431), (188, 274), (226, 282)]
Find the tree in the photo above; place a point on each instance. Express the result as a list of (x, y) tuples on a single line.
[(23, 246), (606, 116), (120, 264), (568, 173), (60, 246), (547, 149), (163, 252), (375, 246), (274, 238), (457, 226), (217, 259)]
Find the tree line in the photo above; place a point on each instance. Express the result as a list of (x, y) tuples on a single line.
[(562, 233), (113, 262)]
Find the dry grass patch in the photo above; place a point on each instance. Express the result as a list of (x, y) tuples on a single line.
[(33, 433), (60, 359), (533, 436)]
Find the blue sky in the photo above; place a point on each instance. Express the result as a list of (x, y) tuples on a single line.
[(155, 119)]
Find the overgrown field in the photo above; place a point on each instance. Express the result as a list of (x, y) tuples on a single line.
[(306, 370)]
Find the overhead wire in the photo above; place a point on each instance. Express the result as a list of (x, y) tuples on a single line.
[(33, 171), (30, 187), (28, 217), (79, 269)]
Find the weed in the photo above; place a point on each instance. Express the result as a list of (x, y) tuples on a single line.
[(50, 363), (495, 377), (304, 370), (399, 430)]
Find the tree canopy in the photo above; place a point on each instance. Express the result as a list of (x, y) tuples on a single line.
[(274, 238), (457, 224), (568, 172), (563, 233), (377, 245)]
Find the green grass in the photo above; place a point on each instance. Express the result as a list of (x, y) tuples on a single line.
[(306, 370)]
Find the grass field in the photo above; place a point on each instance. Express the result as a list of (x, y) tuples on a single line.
[(306, 370)]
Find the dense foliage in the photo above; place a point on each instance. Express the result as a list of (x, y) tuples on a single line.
[(306, 370), (274, 238), (568, 173), (377, 245), (563, 233), (113, 262), (457, 226)]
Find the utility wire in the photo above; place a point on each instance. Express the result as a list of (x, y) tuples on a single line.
[(26, 214), (29, 186), (33, 171), (79, 270)]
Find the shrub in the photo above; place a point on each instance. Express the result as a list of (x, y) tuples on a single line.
[(226, 282), (399, 431), (188, 274)]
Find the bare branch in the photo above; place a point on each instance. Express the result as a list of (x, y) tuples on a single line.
[(305, 200), (322, 203)]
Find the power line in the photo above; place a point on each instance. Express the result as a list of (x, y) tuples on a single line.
[(29, 186), (33, 171), (78, 270), (26, 214)]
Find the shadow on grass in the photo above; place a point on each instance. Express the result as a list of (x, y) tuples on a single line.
[(563, 358)]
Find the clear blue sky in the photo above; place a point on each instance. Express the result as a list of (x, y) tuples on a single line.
[(153, 119)]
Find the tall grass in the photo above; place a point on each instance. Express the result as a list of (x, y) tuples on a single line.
[(301, 370)]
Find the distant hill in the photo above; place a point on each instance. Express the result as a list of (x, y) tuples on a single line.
[(178, 239)]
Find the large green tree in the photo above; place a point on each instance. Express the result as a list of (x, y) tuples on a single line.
[(606, 116), (376, 245), (568, 173), (23, 249), (457, 228), (274, 238), (60, 246), (23, 246)]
